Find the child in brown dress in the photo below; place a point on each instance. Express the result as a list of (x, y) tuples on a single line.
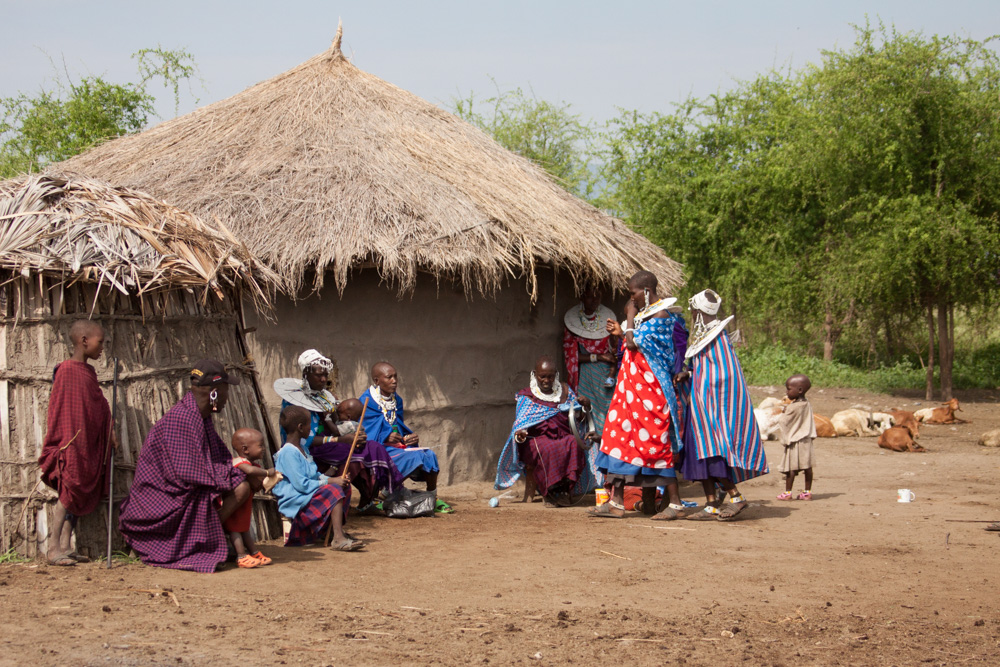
[(798, 428)]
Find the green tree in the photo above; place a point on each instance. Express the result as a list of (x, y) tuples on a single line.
[(546, 133), (53, 125), (859, 194)]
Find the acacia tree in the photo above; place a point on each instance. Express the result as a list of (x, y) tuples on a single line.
[(546, 133), (862, 191), (53, 125)]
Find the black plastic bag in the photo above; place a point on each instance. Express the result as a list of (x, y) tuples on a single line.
[(407, 504)]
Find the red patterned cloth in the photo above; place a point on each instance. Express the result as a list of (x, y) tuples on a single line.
[(77, 442), (239, 520), (571, 353), (636, 430), (310, 524)]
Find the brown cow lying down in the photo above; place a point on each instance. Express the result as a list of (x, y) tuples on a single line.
[(824, 427), (943, 415), (906, 419), (898, 439)]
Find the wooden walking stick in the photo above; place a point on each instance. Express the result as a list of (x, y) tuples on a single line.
[(111, 457), (364, 408)]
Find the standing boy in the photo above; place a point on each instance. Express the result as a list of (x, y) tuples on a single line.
[(798, 428), (78, 441)]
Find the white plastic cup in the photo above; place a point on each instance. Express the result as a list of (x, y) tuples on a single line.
[(286, 527), (905, 496)]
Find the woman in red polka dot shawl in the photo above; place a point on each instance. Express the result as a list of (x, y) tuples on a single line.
[(641, 429)]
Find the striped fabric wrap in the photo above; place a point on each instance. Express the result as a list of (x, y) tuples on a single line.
[(722, 419)]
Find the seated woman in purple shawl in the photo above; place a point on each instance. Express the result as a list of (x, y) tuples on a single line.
[(371, 469), (541, 444), (172, 517)]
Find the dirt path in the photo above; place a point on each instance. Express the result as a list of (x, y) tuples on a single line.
[(852, 577)]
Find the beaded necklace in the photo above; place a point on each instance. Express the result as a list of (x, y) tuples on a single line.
[(385, 403)]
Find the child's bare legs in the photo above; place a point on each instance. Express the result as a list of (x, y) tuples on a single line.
[(809, 479), (337, 517), (240, 545), (790, 479)]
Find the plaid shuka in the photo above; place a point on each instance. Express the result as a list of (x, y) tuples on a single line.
[(309, 525), (530, 412), (77, 441), (169, 517)]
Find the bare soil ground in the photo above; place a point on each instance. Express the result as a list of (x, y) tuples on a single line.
[(852, 577)]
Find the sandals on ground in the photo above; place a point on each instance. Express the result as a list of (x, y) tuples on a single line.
[(247, 561), (65, 560), (708, 513), (349, 545), (603, 511), (669, 513), (261, 558), (805, 495), (441, 507), (733, 507), (787, 495)]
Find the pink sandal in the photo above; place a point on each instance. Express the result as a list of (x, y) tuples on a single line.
[(787, 495), (805, 495)]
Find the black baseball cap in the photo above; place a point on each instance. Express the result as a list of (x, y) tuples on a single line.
[(208, 372)]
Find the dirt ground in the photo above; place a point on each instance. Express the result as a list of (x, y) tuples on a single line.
[(852, 577)]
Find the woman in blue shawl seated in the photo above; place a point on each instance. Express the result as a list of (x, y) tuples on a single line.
[(329, 441), (384, 423), (541, 444)]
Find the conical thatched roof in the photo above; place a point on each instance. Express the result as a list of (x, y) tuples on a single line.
[(327, 167), (83, 229)]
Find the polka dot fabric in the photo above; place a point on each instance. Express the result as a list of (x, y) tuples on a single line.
[(637, 427)]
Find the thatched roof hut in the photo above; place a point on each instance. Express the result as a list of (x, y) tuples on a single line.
[(168, 289), (326, 172)]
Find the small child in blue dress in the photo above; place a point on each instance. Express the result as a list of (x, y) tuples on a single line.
[(311, 500)]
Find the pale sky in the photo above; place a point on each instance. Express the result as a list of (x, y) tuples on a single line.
[(597, 56)]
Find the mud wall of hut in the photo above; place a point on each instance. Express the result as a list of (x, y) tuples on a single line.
[(460, 359), (156, 339)]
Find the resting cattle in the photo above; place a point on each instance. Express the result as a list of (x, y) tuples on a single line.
[(767, 421), (942, 415), (907, 420), (881, 421), (898, 439), (824, 427), (853, 422)]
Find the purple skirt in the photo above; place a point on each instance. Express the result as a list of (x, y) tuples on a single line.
[(371, 455)]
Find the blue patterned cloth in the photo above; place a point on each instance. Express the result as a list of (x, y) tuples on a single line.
[(659, 339), (529, 413), (409, 461)]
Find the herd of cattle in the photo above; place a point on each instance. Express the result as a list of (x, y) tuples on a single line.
[(897, 430)]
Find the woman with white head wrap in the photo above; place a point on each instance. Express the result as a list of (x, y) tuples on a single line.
[(722, 444), (370, 467)]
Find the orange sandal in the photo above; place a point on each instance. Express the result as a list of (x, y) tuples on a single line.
[(248, 561), (261, 558)]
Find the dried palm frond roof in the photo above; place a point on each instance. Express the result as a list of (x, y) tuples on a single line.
[(326, 167), (84, 229)]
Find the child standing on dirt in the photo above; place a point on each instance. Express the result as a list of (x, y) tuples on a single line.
[(248, 443), (798, 428)]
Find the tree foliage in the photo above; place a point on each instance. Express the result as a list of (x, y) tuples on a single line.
[(546, 133), (853, 196), (53, 125)]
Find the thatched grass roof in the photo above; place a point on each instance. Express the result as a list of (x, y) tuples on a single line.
[(84, 229), (326, 168)]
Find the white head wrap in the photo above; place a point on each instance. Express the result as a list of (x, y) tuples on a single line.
[(700, 302), (311, 358)]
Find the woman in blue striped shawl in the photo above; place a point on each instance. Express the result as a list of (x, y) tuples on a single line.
[(722, 444)]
